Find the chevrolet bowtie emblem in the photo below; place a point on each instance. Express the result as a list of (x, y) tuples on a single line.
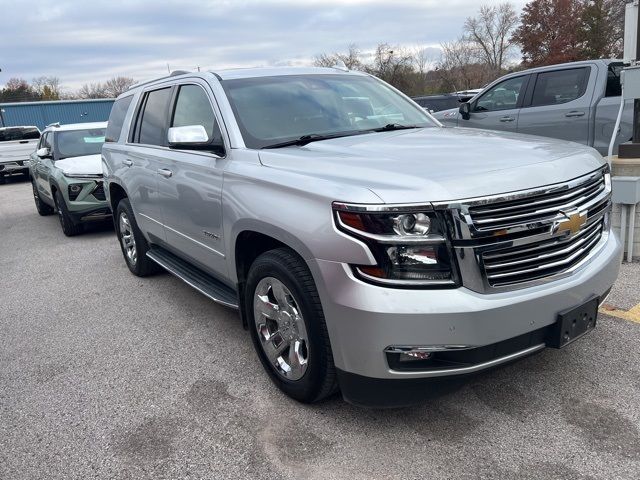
[(572, 224)]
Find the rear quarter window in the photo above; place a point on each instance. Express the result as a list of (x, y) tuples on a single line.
[(116, 118)]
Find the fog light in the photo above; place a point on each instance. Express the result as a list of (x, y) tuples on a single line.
[(74, 191), (419, 355)]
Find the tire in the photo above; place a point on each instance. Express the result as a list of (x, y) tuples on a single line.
[(42, 208), (132, 243), (281, 273), (69, 227)]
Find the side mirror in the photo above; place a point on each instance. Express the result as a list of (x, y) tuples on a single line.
[(43, 153), (465, 110), (192, 137)]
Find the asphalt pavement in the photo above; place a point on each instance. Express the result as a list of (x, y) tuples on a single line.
[(106, 375)]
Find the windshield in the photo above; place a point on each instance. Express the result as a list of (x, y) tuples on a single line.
[(76, 143), (10, 134), (273, 110)]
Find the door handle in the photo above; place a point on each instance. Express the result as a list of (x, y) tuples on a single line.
[(574, 114), (507, 119), (126, 162), (166, 173)]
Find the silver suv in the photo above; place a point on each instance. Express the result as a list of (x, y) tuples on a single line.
[(366, 248)]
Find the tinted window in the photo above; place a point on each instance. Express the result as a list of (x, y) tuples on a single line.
[(614, 88), (562, 86), (76, 143), (10, 134), (154, 117), (194, 108), (503, 96), (116, 118)]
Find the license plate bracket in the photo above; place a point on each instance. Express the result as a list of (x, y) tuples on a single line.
[(574, 323)]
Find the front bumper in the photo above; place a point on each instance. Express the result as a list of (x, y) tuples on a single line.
[(95, 213), (363, 319)]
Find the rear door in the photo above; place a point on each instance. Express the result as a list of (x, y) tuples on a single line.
[(498, 108), (190, 184), (558, 104), (146, 154)]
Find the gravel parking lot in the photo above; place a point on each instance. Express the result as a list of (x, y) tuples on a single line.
[(105, 375)]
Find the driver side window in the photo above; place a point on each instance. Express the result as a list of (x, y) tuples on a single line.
[(503, 96)]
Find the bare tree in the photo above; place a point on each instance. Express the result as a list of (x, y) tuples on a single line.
[(459, 68), (48, 88), (392, 64), (117, 85), (490, 33), (92, 90), (352, 59)]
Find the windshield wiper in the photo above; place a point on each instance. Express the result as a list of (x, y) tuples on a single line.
[(312, 137), (393, 126)]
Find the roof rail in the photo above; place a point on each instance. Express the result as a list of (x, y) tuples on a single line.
[(56, 125), (172, 74)]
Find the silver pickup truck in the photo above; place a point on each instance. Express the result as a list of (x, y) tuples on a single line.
[(366, 247), (16, 146), (576, 101)]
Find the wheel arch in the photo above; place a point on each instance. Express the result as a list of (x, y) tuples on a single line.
[(251, 239), (116, 193)]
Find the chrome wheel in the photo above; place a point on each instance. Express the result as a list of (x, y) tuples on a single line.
[(281, 329), (127, 239)]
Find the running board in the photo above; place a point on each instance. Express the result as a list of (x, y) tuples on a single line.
[(193, 276)]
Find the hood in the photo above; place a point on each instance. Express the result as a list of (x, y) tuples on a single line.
[(448, 117), (84, 165), (437, 164)]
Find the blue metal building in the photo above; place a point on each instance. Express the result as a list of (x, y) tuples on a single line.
[(42, 114)]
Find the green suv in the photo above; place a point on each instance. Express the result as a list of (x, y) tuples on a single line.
[(66, 175)]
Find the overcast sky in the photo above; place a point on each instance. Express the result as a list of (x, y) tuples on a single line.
[(89, 41)]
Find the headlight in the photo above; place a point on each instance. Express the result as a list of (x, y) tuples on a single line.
[(409, 244)]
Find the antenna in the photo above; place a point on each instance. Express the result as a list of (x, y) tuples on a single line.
[(340, 66)]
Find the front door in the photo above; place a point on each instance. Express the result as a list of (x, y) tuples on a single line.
[(190, 185), (498, 108)]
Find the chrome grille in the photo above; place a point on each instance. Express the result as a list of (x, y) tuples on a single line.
[(537, 208), (537, 260), (515, 240)]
